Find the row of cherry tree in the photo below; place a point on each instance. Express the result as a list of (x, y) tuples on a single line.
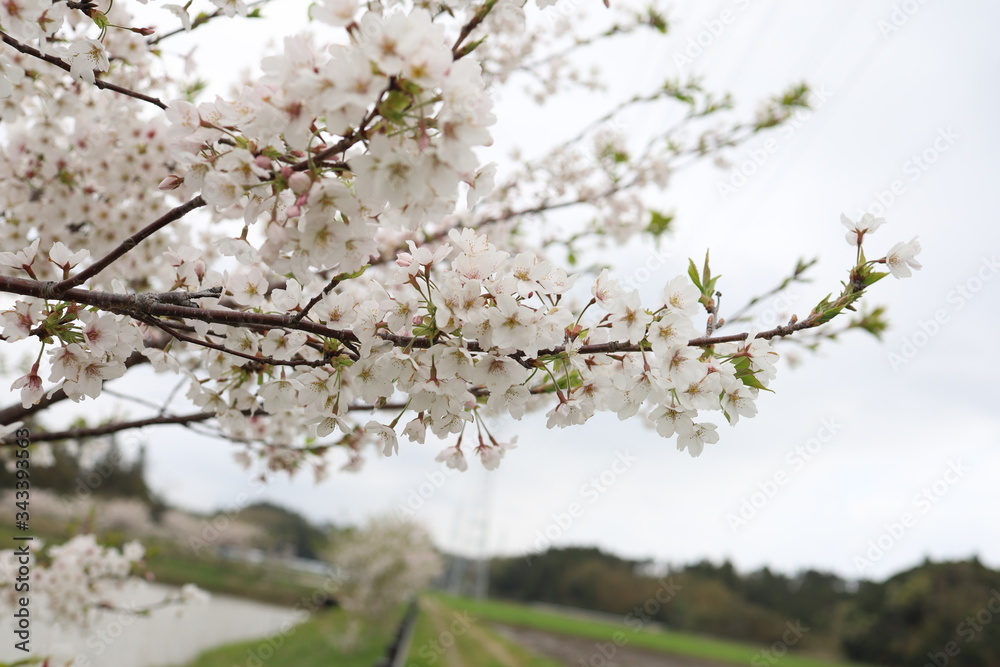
[(321, 261)]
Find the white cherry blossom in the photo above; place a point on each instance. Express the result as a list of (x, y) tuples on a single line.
[(902, 257)]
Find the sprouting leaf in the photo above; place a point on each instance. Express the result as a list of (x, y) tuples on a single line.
[(659, 223)]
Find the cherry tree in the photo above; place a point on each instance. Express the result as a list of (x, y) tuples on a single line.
[(321, 262), (390, 560)]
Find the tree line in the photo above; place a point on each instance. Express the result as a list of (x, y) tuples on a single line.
[(925, 615)]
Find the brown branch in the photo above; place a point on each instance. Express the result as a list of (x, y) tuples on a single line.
[(270, 361), (62, 64), (138, 306), (336, 280), (467, 29), (127, 245), (160, 420)]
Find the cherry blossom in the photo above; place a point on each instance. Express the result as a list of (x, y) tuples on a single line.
[(857, 230), (321, 255), (902, 257), (86, 56)]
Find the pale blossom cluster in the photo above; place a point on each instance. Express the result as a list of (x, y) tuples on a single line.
[(463, 331), (79, 577), (249, 157), (93, 346), (355, 274), (384, 564)]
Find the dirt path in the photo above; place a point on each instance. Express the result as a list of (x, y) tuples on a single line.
[(440, 620), (580, 652)]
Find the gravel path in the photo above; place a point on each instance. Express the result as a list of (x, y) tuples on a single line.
[(580, 652)]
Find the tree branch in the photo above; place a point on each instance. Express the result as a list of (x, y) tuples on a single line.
[(159, 420), (127, 245), (198, 21), (270, 361), (138, 307), (62, 64), (456, 50)]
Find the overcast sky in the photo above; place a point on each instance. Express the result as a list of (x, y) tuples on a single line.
[(857, 447)]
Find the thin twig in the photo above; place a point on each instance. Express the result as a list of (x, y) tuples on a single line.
[(127, 245), (269, 361), (160, 420), (198, 21), (62, 64)]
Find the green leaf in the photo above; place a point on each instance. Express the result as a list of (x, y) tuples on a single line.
[(657, 20), (659, 223), (469, 48), (693, 273), (751, 380), (874, 277), (393, 106), (101, 19)]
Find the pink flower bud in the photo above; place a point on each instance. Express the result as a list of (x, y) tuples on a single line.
[(171, 182), (262, 161), (299, 182)]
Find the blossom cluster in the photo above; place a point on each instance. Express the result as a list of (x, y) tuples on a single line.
[(388, 562), (327, 263), (93, 345), (79, 578)]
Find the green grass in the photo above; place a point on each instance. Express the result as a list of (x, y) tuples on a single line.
[(443, 638), (314, 643), (665, 641), (265, 583)]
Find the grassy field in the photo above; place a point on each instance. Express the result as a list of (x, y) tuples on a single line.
[(315, 643), (445, 638), (264, 582), (668, 642)]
